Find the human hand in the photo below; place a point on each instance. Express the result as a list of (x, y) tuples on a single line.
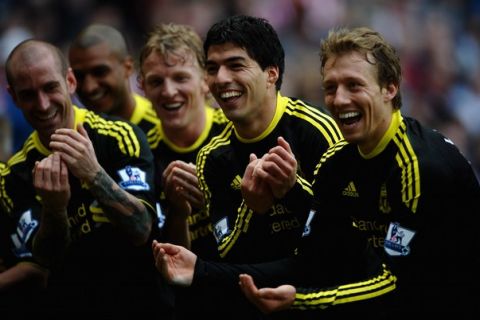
[(50, 179), (76, 149), (175, 263), (255, 191), (268, 300), (279, 168), (181, 187)]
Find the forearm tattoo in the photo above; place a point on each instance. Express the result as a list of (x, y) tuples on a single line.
[(123, 209)]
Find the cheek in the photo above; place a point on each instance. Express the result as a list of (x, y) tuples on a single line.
[(328, 100), (210, 82)]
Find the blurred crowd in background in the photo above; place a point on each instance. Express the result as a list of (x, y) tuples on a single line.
[(438, 42)]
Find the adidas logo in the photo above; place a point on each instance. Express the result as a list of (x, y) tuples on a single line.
[(235, 185), (350, 190)]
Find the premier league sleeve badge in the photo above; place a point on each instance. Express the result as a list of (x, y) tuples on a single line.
[(397, 240)]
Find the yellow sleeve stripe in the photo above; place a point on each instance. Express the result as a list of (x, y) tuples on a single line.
[(18, 157), (124, 134), (329, 153), (408, 162), (242, 222), (21, 155), (305, 185), (358, 291), (218, 141), (241, 225), (324, 123), (6, 201), (154, 137)]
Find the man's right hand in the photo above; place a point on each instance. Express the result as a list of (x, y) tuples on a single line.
[(268, 300), (175, 263), (255, 190), (50, 179)]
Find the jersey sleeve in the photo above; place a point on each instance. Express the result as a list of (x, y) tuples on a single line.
[(123, 151), (325, 273), (221, 197), (19, 215)]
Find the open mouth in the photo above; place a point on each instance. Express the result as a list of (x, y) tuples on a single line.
[(172, 106), (46, 116), (230, 95), (96, 96), (349, 118)]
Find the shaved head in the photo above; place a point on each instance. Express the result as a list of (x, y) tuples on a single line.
[(29, 52), (97, 34)]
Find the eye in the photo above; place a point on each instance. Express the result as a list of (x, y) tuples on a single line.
[(329, 89), (182, 78), (154, 82), (51, 87), (352, 85), (100, 71), (211, 69), (26, 95), (236, 66), (79, 75)]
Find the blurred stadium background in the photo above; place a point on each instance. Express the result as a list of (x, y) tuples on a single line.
[(438, 41)]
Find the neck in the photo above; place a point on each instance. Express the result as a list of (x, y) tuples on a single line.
[(127, 111), (186, 136), (259, 120)]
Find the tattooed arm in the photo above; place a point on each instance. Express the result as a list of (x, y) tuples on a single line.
[(123, 209)]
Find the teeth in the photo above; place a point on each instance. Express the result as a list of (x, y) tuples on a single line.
[(47, 117), (172, 105), (96, 96), (230, 94), (348, 115)]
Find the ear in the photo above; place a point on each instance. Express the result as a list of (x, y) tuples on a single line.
[(141, 82), (71, 81), (129, 66), (204, 84), (272, 75), (389, 92), (12, 93)]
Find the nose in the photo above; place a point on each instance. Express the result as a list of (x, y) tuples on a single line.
[(223, 75), (169, 89), (43, 101), (342, 96), (88, 84)]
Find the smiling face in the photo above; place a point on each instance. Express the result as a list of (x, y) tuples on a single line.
[(103, 78), (41, 91), (175, 84), (244, 91), (362, 109)]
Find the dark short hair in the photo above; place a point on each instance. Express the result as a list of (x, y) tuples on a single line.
[(96, 34), (255, 35)]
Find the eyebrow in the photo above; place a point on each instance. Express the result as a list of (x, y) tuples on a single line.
[(230, 59)]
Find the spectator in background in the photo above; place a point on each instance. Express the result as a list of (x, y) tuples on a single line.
[(6, 137), (14, 129)]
